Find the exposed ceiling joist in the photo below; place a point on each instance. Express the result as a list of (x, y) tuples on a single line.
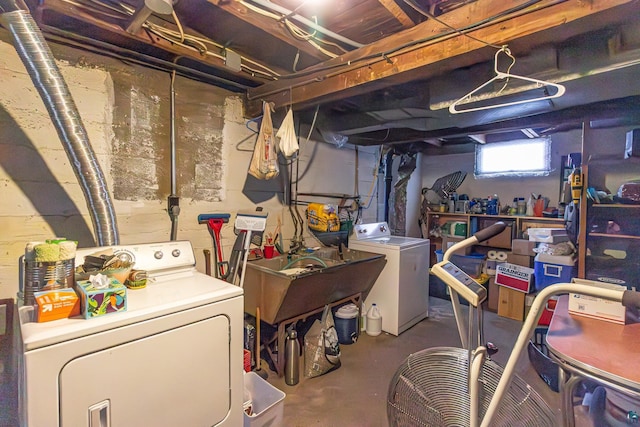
[(369, 68), (141, 35), (398, 13), (277, 28)]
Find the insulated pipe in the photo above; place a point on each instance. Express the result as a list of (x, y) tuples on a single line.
[(40, 64), (173, 201), (388, 178)]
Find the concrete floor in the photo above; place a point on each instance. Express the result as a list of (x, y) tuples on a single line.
[(356, 393)]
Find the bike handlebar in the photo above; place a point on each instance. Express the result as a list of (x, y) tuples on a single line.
[(489, 232)]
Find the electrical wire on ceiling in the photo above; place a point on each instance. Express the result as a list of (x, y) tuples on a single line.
[(373, 58), (295, 30), (202, 45), (431, 16)]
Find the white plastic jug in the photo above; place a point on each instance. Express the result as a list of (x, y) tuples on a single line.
[(374, 321)]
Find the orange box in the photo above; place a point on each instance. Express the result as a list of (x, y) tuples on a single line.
[(56, 304)]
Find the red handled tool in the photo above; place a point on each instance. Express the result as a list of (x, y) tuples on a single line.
[(214, 225)]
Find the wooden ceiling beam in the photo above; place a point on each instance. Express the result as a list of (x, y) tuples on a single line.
[(349, 75), (142, 36), (397, 13), (271, 26)]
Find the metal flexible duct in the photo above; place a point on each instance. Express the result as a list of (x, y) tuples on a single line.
[(40, 64)]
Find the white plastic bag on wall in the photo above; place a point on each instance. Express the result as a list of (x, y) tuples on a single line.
[(264, 163), (287, 134)]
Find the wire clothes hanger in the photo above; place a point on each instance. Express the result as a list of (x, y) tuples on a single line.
[(560, 89)]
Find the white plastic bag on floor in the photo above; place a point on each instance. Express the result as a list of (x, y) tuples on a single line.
[(264, 163), (287, 134)]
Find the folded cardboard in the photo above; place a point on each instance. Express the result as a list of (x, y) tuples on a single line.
[(597, 308), (514, 276), (56, 304), (98, 302)]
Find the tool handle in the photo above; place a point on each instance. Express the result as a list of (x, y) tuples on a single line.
[(202, 218), (489, 232)]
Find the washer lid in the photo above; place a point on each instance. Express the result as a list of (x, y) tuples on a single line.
[(163, 295), (392, 242)]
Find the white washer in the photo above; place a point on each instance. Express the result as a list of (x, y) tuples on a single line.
[(402, 289), (173, 358)]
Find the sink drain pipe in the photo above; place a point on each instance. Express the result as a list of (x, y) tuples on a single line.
[(40, 64)]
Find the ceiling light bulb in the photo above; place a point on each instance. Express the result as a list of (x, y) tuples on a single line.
[(162, 7)]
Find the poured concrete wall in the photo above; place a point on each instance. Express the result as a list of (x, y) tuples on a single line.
[(125, 109)]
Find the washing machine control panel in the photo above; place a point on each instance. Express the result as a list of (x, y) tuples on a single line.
[(147, 256), (372, 231)]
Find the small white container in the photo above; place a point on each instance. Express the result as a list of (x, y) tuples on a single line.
[(267, 402), (374, 321)]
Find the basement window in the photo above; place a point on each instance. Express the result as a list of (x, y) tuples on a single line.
[(521, 157)]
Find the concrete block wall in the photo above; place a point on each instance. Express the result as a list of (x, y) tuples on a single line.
[(125, 109)]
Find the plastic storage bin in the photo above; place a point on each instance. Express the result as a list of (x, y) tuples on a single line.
[(470, 264), (267, 402), (550, 269)]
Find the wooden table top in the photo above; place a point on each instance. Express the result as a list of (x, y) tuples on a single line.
[(604, 349)]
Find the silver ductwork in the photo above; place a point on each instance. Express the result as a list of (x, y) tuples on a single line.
[(40, 64)]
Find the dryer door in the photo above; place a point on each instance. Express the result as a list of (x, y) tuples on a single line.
[(179, 377)]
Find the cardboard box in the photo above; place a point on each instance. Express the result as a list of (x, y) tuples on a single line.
[(515, 277), (98, 302), (523, 247), (56, 304), (510, 303), (597, 308), (548, 235), (523, 260), (492, 299), (448, 241)]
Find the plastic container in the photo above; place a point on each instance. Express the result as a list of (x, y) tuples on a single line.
[(346, 322), (374, 321), (267, 402), (550, 269), (470, 264)]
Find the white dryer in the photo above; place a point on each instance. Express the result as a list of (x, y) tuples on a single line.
[(173, 358), (402, 289)]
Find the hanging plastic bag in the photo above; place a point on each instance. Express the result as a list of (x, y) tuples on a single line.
[(287, 134), (264, 163), (321, 346)]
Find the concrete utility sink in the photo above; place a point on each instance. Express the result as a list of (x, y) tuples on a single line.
[(285, 287)]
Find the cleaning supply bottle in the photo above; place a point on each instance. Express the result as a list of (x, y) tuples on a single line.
[(292, 355), (374, 321)]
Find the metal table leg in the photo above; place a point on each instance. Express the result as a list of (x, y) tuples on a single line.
[(567, 385)]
